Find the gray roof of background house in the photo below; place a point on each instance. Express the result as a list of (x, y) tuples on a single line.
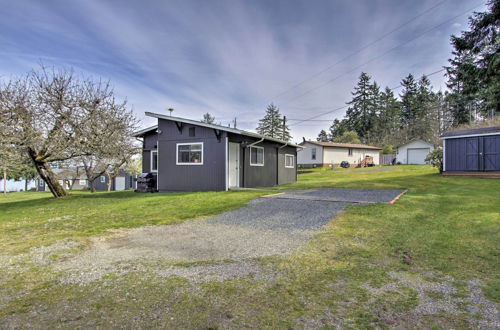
[(217, 127), (342, 145), (473, 131)]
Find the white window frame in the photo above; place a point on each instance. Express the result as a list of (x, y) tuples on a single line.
[(314, 153), (263, 156), (102, 178), (350, 151), (293, 160), (151, 163), (83, 182), (188, 144)]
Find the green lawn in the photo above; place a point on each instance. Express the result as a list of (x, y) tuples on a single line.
[(445, 231)]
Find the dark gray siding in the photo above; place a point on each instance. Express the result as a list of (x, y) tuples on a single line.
[(98, 185), (150, 142), (287, 175), (471, 154), (209, 176), (273, 172)]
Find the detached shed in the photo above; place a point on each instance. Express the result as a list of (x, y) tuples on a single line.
[(413, 152), (472, 152)]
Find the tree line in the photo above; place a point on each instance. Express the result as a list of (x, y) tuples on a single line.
[(52, 117), (377, 116)]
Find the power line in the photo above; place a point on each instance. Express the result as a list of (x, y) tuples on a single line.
[(360, 49), (383, 54), (345, 106)]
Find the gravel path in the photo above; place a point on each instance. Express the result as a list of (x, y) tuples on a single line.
[(267, 226)]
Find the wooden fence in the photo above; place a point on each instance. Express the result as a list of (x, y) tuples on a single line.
[(387, 159)]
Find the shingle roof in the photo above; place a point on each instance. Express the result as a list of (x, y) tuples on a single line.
[(474, 131), (218, 127), (343, 145)]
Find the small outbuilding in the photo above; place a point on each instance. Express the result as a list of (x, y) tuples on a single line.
[(472, 152), (413, 152), (189, 155)]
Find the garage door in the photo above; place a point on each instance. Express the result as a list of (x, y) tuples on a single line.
[(417, 156), (120, 183)]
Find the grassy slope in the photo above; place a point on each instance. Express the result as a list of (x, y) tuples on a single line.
[(31, 219), (449, 226)]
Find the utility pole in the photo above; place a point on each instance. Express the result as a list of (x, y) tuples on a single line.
[(170, 110), (234, 122), (283, 129)]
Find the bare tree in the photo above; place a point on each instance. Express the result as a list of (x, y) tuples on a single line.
[(57, 116)]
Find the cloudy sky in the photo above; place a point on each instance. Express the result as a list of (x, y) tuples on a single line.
[(232, 58)]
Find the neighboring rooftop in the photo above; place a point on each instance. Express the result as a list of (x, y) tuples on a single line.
[(473, 131), (213, 126), (343, 145)]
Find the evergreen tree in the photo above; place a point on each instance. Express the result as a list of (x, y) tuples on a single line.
[(208, 118), (474, 71), (389, 118), (322, 136), (363, 106), (274, 125), (348, 137), (337, 128)]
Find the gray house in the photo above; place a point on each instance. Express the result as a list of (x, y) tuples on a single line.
[(189, 155)]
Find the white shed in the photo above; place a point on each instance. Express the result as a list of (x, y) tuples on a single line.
[(413, 152)]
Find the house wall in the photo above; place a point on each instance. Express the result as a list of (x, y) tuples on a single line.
[(287, 175), (402, 151), (304, 156), (472, 154), (150, 142), (18, 185), (207, 177), (335, 155), (273, 172)]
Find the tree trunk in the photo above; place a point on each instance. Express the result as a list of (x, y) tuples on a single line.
[(91, 185), (110, 180), (5, 181), (25, 184), (47, 175)]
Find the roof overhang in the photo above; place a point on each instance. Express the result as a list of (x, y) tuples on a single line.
[(467, 135), (144, 131), (216, 127)]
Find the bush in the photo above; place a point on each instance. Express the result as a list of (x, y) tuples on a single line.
[(388, 150), (435, 157)]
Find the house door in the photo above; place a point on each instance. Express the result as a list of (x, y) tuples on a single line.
[(234, 165), (472, 154), (119, 183), (491, 153)]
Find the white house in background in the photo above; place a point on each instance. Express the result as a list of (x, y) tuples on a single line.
[(413, 152), (326, 154), (18, 185)]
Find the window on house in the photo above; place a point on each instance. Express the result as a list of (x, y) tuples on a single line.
[(313, 153), (83, 182), (289, 161), (103, 179), (154, 161), (349, 151), (190, 153), (192, 131), (256, 156)]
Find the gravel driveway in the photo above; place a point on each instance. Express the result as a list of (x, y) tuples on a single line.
[(274, 225)]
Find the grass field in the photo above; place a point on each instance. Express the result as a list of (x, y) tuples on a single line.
[(430, 260)]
